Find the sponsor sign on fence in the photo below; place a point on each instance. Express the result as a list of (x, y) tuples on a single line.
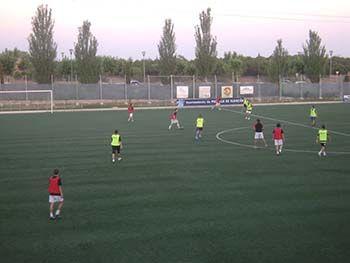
[(204, 102), (182, 92), (226, 92), (246, 90), (204, 92), (346, 98)]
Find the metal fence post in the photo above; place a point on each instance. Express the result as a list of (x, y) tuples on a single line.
[(76, 88), (320, 89), (148, 88), (171, 87), (301, 90), (280, 87), (26, 85), (259, 88), (341, 82), (125, 89), (216, 86), (194, 86), (52, 87), (100, 84)]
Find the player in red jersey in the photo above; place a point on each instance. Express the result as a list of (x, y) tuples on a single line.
[(174, 120), (278, 137), (131, 112), (217, 103), (55, 194)]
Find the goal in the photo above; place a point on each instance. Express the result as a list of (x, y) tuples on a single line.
[(26, 100)]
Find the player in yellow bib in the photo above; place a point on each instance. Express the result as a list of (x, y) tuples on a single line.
[(322, 138), (199, 127), (116, 143), (249, 110), (313, 115)]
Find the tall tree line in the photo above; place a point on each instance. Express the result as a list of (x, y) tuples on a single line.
[(42, 48), (41, 60)]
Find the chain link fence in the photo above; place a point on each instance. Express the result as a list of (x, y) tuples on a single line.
[(165, 88)]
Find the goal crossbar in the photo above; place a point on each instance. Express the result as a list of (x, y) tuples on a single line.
[(31, 91)]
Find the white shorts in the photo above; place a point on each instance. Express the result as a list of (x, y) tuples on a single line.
[(278, 142), (174, 121), (131, 114), (248, 111), (217, 104), (259, 135), (55, 198)]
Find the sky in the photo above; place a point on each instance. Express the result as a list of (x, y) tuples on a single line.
[(125, 28)]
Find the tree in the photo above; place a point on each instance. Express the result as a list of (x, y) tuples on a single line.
[(314, 57), (23, 63), (1, 74), (340, 64), (64, 68), (279, 62), (167, 49), (85, 54), (296, 67), (205, 45), (109, 66), (8, 62), (127, 70), (42, 48), (236, 67)]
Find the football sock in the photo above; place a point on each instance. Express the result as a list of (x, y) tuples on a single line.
[(51, 214), (58, 212)]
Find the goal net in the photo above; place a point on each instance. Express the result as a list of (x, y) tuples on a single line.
[(26, 100)]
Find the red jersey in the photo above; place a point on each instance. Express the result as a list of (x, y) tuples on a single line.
[(173, 116), (217, 100), (277, 133), (130, 109), (54, 185)]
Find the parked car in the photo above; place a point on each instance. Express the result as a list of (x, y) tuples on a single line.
[(134, 82)]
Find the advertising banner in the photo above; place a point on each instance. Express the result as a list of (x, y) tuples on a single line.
[(182, 92), (226, 92), (246, 90), (204, 92), (209, 102)]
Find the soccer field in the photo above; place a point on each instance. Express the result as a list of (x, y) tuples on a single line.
[(171, 199)]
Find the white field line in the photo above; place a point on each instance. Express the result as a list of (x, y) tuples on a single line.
[(290, 122), (252, 147)]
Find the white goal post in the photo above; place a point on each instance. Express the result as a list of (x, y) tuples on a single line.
[(26, 92)]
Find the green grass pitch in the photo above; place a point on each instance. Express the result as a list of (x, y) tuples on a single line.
[(171, 199)]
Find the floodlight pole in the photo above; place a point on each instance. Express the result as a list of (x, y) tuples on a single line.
[(144, 66), (330, 62), (71, 64)]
